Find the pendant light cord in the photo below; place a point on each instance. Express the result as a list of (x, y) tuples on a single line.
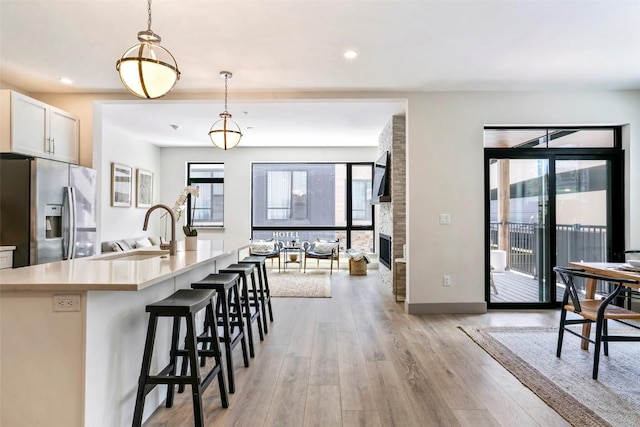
[(149, 18), (226, 79)]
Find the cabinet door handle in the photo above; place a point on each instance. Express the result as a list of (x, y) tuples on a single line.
[(53, 145), (47, 144)]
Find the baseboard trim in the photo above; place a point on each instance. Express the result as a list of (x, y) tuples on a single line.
[(447, 308)]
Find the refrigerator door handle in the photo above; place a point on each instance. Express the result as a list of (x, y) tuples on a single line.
[(73, 224), (68, 241)]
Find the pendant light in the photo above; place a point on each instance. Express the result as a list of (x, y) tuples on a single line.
[(148, 70), (225, 133)]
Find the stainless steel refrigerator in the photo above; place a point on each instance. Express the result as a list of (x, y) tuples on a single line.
[(47, 210)]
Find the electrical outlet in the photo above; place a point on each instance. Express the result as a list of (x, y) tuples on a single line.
[(446, 280), (66, 303)]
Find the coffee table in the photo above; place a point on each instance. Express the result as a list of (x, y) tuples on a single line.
[(293, 254)]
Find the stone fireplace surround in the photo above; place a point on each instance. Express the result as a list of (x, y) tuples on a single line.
[(391, 217)]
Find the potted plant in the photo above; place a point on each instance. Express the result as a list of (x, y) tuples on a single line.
[(191, 237), (190, 232)]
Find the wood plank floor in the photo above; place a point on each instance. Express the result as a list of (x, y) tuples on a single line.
[(357, 360)]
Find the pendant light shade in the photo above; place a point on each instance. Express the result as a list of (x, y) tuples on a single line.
[(148, 70), (225, 133)]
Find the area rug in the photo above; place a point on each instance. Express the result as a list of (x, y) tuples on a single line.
[(312, 284), (565, 383)]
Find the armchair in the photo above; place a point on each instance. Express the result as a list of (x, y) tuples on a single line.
[(322, 250), (269, 249)]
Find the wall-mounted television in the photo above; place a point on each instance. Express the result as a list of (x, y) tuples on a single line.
[(382, 180)]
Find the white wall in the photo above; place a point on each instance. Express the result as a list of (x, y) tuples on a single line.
[(445, 175), (126, 222), (237, 179)]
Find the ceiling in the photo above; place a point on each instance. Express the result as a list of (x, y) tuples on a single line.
[(296, 46), (263, 124)]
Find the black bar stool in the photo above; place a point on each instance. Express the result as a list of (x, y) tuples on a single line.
[(265, 294), (226, 285), (250, 303), (184, 303)]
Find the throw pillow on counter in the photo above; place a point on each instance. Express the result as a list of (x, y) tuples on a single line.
[(143, 243), (116, 247)]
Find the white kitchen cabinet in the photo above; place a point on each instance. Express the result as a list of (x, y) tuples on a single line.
[(33, 128), (64, 131)]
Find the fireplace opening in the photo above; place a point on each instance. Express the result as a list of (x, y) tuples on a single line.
[(385, 250)]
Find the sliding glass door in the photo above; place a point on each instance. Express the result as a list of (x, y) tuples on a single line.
[(519, 230), (581, 210), (547, 207)]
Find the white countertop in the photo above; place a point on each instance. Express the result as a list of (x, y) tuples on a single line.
[(99, 273), (7, 248)]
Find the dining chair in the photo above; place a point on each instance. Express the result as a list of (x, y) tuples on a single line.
[(594, 311), (632, 254)]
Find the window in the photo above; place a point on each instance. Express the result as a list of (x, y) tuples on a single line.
[(360, 197), (208, 210), (309, 201), (287, 195), (542, 138)]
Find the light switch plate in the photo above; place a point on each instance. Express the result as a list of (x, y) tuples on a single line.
[(445, 218)]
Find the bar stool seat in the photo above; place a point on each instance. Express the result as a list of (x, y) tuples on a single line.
[(184, 303), (226, 285), (264, 293), (249, 299)]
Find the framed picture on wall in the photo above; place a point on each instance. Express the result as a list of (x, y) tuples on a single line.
[(121, 185), (144, 188)]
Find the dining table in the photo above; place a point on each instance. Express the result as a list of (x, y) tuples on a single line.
[(619, 270)]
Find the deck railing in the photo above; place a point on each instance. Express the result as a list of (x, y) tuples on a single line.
[(574, 242)]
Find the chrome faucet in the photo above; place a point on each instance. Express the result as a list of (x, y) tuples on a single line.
[(172, 244)]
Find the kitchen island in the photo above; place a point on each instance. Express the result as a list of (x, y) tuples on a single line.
[(72, 333)]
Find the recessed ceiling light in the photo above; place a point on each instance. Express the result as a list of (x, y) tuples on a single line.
[(350, 54), (65, 80)]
